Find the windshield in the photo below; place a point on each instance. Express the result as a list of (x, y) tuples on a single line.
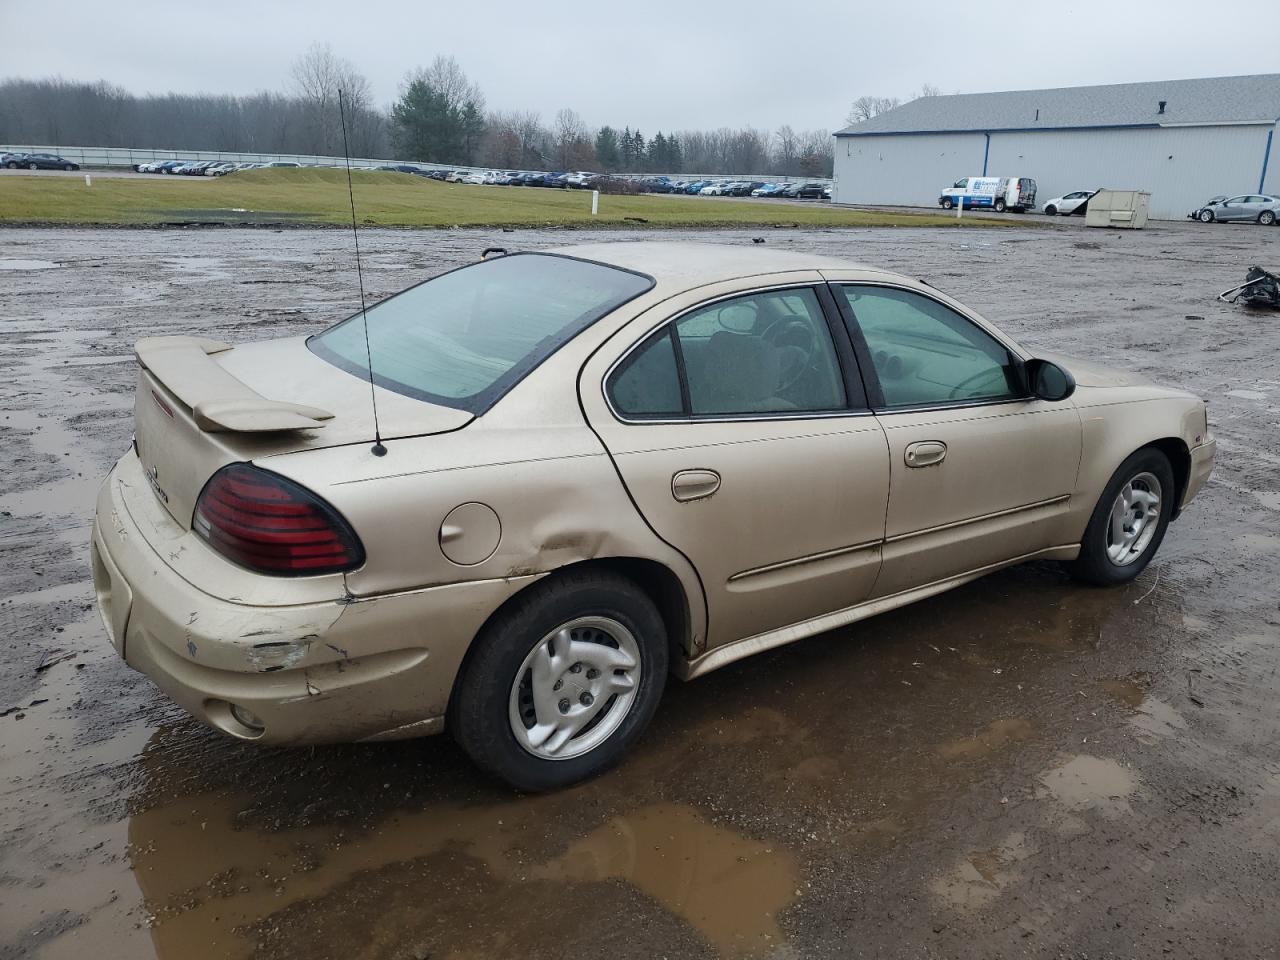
[(465, 338)]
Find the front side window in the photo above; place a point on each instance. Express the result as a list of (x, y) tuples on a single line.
[(464, 338), (766, 353), (926, 354)]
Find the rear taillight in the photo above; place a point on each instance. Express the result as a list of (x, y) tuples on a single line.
[(269, 524)]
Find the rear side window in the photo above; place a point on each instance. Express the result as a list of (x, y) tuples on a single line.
[(764, 353), (465, 338)]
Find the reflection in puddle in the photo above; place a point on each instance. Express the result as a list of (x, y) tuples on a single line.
[(1091, 783), (980, 877), (212, 887)]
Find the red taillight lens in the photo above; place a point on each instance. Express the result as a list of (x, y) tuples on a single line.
[(264, 522)]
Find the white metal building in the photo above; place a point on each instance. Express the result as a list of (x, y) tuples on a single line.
[(1181, 140)]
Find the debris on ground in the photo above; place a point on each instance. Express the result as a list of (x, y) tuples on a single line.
[(1261, 288)]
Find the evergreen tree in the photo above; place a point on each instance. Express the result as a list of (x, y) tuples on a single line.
[(637, 153), (607, 148)]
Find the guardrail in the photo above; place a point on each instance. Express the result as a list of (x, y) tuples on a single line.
[(129, 157)]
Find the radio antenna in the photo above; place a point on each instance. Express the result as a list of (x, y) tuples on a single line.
[(378, 449)]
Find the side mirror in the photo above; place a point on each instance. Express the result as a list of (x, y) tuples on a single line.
[(1048, 381)]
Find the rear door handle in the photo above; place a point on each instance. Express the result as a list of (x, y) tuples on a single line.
[(925, 453), (689, 485)]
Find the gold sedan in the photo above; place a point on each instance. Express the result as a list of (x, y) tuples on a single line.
[(510, 500)]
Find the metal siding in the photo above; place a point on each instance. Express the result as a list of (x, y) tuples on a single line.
[(1180, 167), (904, 170)]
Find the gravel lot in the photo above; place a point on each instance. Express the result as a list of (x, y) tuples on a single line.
[(1019, 768)]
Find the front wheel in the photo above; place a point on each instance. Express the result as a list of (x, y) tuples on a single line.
[(68, 168), (1267, 217), (1206, 216), (1129, 521), (561, 682), (1051, 211), (947, 203)]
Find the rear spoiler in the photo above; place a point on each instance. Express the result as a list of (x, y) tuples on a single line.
[(218, 401)]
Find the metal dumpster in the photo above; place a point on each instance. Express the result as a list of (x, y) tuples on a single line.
[(1125, 209)]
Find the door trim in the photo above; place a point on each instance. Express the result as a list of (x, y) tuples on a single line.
[(808, 558), (1052, 501), (739, 649)]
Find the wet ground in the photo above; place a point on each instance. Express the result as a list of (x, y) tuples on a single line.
[(1021, 767)]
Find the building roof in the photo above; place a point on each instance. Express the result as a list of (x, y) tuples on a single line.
[(1211, 100)]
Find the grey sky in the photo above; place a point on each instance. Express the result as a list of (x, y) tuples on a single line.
[(659, 65)]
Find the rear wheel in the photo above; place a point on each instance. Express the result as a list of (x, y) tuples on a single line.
[(999, 205), (1206, 216), (68, 168), (1129, 521), (1267, 217), (562, 682), (32, 166)]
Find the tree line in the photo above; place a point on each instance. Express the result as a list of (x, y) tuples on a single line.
[(440, 116)]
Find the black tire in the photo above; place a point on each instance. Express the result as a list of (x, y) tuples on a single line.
[(13, 165), (1094, 565), (1267, 218), (1206, 216), (69, 167), (478, 710), (32, 166), (1051, 211), (947, 203), (999, 205)]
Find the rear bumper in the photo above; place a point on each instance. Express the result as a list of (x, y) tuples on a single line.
[(340, 670), (1202, 458)]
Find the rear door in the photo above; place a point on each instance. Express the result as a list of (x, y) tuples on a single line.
[(739, 426), (980, 472)]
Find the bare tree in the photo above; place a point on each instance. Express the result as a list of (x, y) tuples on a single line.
[(571, 136), (864, 108), (787, 143), (317, 77), (928, 90)]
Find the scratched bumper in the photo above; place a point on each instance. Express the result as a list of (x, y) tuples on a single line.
[(311, 672)]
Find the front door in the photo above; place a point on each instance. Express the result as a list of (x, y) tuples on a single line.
[(980, 472), (741, 431)]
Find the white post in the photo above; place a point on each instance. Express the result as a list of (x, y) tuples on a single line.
[(88, 181), (595, 202), (960, 206)]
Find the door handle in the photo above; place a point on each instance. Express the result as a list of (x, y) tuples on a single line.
[(925, 453), (689, 485)]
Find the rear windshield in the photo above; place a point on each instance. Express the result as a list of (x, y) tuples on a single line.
[(465, 338)]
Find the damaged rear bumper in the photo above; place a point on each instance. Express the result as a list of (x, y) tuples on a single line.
[(287, 673)]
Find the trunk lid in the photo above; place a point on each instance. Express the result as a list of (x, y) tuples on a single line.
[(200, 405)]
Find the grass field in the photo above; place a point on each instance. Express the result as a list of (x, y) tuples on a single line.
[(398, 200)]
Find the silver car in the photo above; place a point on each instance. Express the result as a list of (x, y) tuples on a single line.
[(1250, 207)]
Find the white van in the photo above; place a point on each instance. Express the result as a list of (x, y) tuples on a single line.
[(998, 193)]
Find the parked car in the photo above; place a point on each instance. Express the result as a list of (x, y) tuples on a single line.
[(40, 161), (624, 460), (168, 166), (743, 188), (826, 191), (695, 186), (150, 166), (1248, 207), (219, 169), (1076, 202), (10, 160), (716, 188), (282, 164), (804, 191)]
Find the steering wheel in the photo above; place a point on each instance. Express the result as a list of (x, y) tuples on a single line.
[(797, 335), (989, 374)]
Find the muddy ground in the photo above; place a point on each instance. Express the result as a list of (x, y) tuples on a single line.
[(1021, 767)]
